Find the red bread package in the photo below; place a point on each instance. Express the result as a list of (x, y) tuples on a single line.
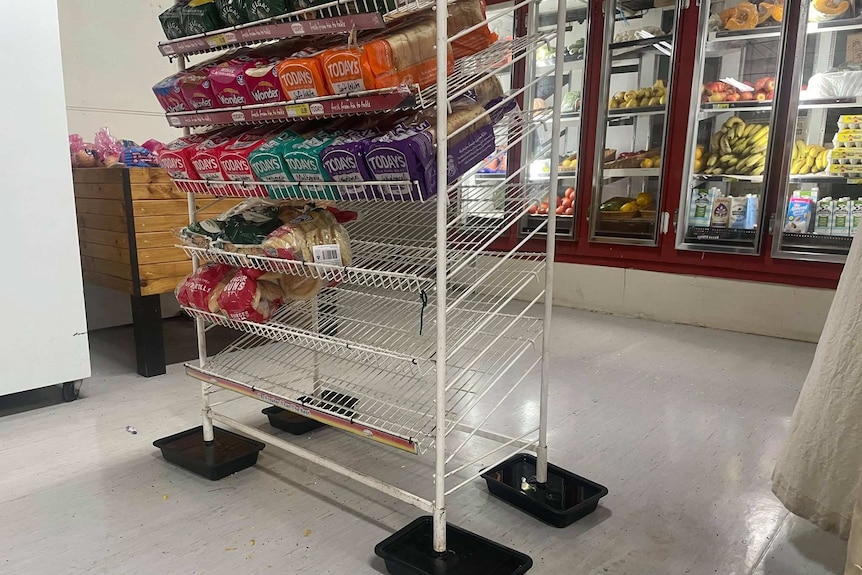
[(206, 155), (176, 157), (233, 159), (201, 289), (196, 90), (250, 296)]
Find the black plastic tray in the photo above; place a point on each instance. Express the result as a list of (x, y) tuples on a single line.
[(563, 500), (410, 551), (228, 452), (291, 422)]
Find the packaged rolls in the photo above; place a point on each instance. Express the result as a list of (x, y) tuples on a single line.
[(316, 236)]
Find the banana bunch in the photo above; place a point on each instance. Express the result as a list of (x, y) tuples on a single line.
[(808, 158), (738, 148)]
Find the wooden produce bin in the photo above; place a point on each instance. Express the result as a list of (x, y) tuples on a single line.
[(126, 218)]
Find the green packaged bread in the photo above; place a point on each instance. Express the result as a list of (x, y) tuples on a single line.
[(172, 23), (233, 12), (200, 17), (262, 9)]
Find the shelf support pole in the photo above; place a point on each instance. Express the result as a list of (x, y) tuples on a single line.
[(206, 411), (439, 515), (542, 449)]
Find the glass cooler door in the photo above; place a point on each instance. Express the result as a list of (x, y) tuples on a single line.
[(541, 95), (821, 205), (639, 48), (738, 53)]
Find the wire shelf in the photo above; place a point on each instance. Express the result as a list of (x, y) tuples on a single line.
[(339, 16), (513, 129), (385, 266), (393, 332), (394, 408), (467, 73)]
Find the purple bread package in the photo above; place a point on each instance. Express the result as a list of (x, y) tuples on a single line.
[(344, 161), (409, 154), (404, 154)]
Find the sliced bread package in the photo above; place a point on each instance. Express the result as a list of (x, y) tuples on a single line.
[(302, 156), (169, 94), (176, 157), (234, 158), (405, 56), (263, 9), (200, 17), (464, 14), (233, 12), (301, 76), (344, 161)]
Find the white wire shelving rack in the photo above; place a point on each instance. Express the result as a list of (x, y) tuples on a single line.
[(428, 321)]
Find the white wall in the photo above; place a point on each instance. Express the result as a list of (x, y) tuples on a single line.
[(110, 64), (750, 307)]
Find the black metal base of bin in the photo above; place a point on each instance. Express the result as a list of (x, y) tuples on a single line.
[(291, 422), (226, 454), (410, 551), (564, 499)]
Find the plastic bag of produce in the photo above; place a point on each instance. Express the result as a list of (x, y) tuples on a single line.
[(835, 85), (202, 289)]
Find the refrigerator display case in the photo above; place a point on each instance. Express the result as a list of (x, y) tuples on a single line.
[(540, 77), (630, 140), (738, 52), (820, 202)]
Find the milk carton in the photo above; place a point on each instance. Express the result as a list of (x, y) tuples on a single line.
[(798, 216), (700, 208), (841, 217), (855, 215), (823, 216), (738, 212), (720, 217)]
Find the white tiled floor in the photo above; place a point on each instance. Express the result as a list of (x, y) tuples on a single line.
[(682, 424)]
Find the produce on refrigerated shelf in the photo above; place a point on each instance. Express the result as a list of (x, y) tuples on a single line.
[(641, 98), (763, 89), (742, 17), (738, 148), (614, 204), (822, 10), (808, 158)]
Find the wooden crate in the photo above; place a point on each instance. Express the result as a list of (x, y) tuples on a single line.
[(126, 219), (126, 223)]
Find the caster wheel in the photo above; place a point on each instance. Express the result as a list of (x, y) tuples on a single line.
[(70, 390)]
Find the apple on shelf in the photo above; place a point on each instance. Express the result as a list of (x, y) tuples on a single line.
[(762, 90)]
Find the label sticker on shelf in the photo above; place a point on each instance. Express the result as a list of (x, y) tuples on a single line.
[(167, 49), (174, 121), (297, 110), (854, 180), (327, 254), (217, 41), (238, 116)]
